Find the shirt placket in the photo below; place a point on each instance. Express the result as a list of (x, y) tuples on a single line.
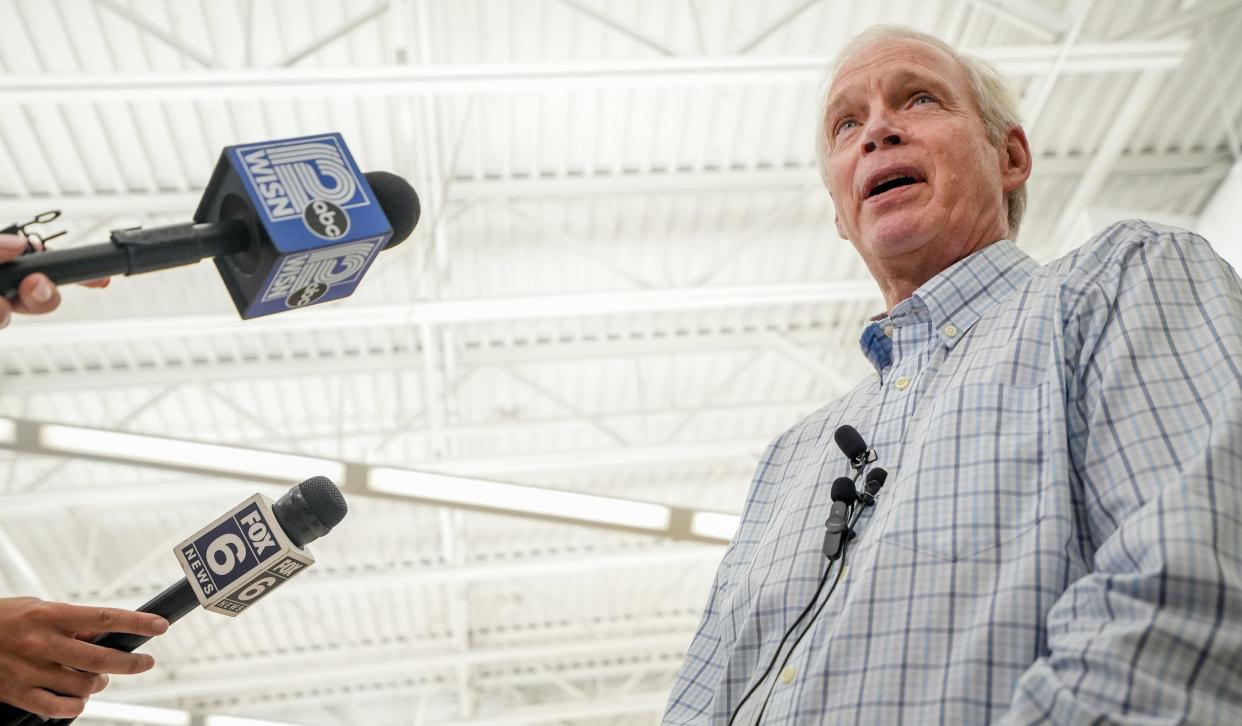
[(775, 700)]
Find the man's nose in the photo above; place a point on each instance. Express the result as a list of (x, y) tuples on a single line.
[(888, 140), (880, 133)]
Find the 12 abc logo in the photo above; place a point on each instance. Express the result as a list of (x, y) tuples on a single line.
[(306, 295)]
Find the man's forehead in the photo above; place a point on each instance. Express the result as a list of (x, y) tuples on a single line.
[(893, 59)]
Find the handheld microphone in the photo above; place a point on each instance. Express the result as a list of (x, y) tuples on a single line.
[(853, 446), (843, 497), (233, 562), (290, 223), (875, 480)]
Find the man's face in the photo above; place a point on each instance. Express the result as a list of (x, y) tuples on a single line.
[(910, 168)]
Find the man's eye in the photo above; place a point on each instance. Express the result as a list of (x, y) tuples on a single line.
[(846, 125), (919, 98)]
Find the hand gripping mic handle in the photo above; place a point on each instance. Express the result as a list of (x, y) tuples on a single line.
[(130, 252), (172, 604)]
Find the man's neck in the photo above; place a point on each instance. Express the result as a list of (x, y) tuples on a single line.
[(899, 281)]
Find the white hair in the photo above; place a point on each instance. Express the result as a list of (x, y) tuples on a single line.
[(998, 108)]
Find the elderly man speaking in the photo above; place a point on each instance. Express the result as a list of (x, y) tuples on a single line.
[(1059, 539)]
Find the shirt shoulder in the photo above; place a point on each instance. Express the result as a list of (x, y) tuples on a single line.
[(1122, 244)]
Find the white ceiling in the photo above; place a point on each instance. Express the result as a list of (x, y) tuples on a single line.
[(625, 282)]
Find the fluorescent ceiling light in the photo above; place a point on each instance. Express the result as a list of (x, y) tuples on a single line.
[(518, 498), (191, 454), (714, 524), (239, 721), (131, 713)]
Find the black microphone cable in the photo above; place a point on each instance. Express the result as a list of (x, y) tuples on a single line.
[(859, 454), (843, 493), (772, 663), (875, 480)]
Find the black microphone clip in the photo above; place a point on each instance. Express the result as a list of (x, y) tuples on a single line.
[(35, 242)]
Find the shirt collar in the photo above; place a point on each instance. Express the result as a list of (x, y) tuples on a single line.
[(953, 300)]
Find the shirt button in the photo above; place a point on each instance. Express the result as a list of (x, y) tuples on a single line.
[(902, 383), (950, 331), (788, 674), (889, 330)]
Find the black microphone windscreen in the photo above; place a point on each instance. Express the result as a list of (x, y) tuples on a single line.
[(876, 477), (324, 500), (850, 441), (310, 510), (843, 491), (399, 202)]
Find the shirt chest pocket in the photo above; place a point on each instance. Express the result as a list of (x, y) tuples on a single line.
[(973, 471)]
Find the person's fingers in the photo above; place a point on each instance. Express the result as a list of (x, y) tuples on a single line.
[(96, 658), (22, 686), (6, 313), (36, 295), (65, 681), (11, 245), (101, 282), (101, 682), (88, 619), (47, 704)]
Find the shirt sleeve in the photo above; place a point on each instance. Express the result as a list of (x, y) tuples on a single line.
[(1152, 632)]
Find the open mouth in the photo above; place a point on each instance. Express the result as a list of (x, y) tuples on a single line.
[(890, 183)]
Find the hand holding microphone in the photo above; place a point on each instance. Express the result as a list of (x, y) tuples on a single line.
[(230, 564), (33, 294), (290, 223), (45, 665)]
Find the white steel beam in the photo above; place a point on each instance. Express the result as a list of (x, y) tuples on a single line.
[(596, 708), (265, 83), (1027, 16), (401, 690), (1184, 19), (298, 677), (335, 34), (1101, 165), (780, 22), (400, 315), (392, 688), (1033, 104), (277, 661), (181, 205), (1222, 218), (359, 363), (615, 25), (146, 26), (19, 566)]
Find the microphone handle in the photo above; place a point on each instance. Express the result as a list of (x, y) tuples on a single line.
[(172, 604), (130, 252)]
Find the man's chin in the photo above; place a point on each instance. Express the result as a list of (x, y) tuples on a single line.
[(898, 233)]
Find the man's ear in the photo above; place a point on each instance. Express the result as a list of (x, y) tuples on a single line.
[(1015, 160)]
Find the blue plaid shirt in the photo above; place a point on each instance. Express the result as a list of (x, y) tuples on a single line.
[(1060, 536)]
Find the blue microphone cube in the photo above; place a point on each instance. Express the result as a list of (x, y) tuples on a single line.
[(241, 557), (314, 217)]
